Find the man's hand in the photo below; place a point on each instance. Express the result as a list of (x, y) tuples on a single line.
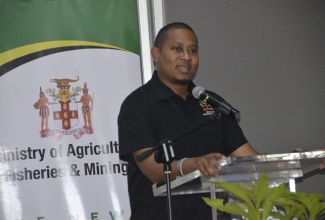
[(207, 164)]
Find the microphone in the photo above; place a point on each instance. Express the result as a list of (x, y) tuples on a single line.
[(215, 100)]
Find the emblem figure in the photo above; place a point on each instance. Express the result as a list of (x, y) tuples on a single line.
[(87, 107), (44, 110)]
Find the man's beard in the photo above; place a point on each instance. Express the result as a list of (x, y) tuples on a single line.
[(182, 82)]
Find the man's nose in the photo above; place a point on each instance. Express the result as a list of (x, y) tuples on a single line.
[(186, 55)]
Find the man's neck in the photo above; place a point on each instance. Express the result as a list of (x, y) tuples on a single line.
[(181, 90), (178, 88)]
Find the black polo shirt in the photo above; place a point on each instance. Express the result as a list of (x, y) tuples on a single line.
[(153, 113)]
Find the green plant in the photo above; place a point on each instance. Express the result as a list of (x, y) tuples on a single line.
[(260, 201)]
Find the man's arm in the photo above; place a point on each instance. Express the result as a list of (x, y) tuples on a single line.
[(155, 173), (152, 170), (244, 150)]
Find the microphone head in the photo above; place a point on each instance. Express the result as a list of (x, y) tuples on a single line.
[(197, 91)]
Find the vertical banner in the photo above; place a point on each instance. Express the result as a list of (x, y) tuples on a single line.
[(65, 68)]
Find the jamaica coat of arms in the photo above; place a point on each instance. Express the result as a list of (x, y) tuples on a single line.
[(65, 109)]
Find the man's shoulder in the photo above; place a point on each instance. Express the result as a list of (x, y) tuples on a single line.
[(140, 95)]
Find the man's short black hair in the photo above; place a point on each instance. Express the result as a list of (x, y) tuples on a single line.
[(162, 34)]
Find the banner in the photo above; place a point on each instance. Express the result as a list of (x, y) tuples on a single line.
[(65, 68)]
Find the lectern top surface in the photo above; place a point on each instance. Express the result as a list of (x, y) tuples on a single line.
[(306, 161), (273, 157)]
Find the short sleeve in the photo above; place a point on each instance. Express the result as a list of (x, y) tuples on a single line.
[(135, 126)]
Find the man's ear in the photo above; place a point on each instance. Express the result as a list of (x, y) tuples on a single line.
[(155, 53)]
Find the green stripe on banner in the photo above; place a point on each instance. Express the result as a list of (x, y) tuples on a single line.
[(27, 22)]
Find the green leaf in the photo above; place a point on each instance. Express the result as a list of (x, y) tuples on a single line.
[(278, 191), (229, 208), (293, 209), (238, 191), (317, 210), (322, 211), (267, 208), (253, 213), (279, 215), (261, 190)]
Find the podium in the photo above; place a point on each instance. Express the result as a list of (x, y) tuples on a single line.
[(245, 171)]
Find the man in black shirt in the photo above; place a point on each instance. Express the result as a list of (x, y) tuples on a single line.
[(162, 108)]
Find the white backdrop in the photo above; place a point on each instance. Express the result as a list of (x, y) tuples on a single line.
[(78, 194)]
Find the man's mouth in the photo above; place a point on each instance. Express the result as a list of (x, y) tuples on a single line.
[(184, 69)]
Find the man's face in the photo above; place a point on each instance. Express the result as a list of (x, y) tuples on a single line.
[(177, 60)]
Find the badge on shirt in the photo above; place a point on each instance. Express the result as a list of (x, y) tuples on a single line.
[(207, 108)]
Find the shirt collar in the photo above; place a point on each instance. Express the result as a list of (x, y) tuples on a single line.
[(162, 91)]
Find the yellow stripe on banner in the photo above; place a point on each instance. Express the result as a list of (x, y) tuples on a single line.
[(32, 48)]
